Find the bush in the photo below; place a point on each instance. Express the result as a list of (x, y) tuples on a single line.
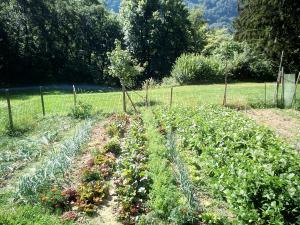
[(81, 111), (169, 82), (193, 68)]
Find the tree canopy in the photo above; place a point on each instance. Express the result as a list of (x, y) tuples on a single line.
[(272, 27), (55, 40)]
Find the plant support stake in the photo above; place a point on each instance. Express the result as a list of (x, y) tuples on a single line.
[(265, 95), (225, 92), (42, 100), (10, 118), (75, 97), (171, 97)]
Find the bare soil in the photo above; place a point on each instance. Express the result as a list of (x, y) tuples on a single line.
[(283, 124)]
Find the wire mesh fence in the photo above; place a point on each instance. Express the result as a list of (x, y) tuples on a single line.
[(27, 108)]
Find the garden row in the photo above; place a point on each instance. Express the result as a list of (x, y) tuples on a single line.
[(232, 159), (18, 152)]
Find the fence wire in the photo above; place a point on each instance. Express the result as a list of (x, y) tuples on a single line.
[(27, 108)]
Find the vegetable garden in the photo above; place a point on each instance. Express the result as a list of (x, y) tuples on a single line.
[(179, 165)]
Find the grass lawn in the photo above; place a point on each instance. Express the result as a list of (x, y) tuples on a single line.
[(26, 107)]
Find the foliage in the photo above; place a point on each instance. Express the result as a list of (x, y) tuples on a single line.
[(169, 82), (218, 13), (113, 146), (271, 27), (123, 66), (90, 174), (192, 68), (82, 111), (26, 214), (30, 187), (55, 41), (156, 32), (241, 162), (167, 203), (91, 194), (199, 28), (117, 127), (131, 180), (54, 200), (237, 58)]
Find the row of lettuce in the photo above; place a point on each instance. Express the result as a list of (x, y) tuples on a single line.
[(232, 159)]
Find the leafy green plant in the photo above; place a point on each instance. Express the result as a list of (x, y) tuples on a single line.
[(30, 187), (82, 111), (167, 202), (89, 175), (113, 146), (54, 200), (90, 195), (193, 68), (132, 182), (244, 164)]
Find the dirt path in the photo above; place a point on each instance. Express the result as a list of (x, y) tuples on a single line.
[(284, 125), (105, 214)]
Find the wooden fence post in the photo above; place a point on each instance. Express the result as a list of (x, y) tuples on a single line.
[(225, 91), (75, 97), (42, 100), (295, 92), (124, 98), (265, 95), (10, 118), (283, 82), (147, 98), (171, 97)]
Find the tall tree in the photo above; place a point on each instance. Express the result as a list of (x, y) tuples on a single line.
[(271, 27), (55, 40), (156, 32)]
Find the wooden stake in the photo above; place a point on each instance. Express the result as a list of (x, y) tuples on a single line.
[(42, 100), (124, 98), (295, 92), (283, 84), (279, 79), (147, 87), (10, 118), (171, 97), (75, 97), (131, 102), (265, 95), (225, 92)]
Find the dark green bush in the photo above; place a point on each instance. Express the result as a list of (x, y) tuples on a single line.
[(193, 68)]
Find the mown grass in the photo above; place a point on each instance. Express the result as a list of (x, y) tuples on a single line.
[(27, 109)]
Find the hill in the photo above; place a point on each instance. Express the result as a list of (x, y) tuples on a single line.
[(218, 13)]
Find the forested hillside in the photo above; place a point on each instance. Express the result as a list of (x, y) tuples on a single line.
[(218, 13)]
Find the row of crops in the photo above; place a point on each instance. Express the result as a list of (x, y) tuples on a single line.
[(204, 165), (235, 161)]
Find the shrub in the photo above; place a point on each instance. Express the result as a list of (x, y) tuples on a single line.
[(81, 111), (193, 68), (169, 82)]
